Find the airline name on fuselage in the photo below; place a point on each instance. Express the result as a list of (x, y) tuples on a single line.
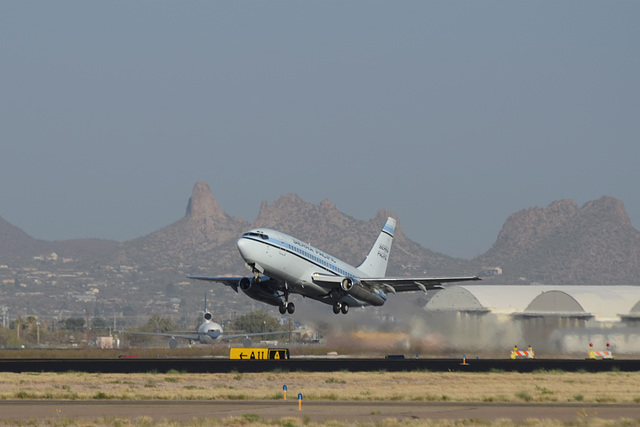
[(314, 250)]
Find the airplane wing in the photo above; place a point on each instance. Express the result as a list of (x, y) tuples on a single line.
[(253, 334), (408, 284), (393, 284), (194, 335), (184, 335), (232, 282)]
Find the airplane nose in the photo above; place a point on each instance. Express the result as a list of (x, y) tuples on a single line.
[(240, 244), (243, 247)]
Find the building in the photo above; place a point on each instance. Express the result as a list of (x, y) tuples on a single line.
[(552, 319)]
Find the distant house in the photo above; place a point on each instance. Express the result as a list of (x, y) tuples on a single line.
[(490, 272), (85, 297), (107, 342)]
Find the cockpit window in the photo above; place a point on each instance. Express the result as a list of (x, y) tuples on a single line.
[(258, 234)]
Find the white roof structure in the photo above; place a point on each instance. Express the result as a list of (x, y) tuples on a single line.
[(605, 303)]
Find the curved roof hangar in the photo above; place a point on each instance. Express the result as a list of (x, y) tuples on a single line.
[(605, 303)]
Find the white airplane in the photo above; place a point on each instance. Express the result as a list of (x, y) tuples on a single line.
[(283, 265), (207, 333)]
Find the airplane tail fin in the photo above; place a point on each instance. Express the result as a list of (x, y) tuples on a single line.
[(375, 264), (206, 316)]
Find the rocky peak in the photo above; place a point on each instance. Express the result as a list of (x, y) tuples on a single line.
[(14, 241), (608, 208), (283, 211), (202, 204), (529, 226), (533, 224), (565, 243), (327, 206), (205, 226)]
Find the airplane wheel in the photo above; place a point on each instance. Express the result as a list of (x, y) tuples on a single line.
[(291, 308), (336, 308), (282, 308), (173, 343), (345, 309)]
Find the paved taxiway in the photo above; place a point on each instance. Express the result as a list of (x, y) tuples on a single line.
[(312, 410), (224, 365)]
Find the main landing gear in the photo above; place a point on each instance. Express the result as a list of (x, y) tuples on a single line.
[(338, 307), (286, 306)]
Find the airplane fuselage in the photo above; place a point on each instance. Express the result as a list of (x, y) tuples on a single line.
[(208, 332), (283, 265), (293, 263)]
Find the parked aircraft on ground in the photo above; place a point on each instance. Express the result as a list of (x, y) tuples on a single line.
[(283, 265), (207, 333)]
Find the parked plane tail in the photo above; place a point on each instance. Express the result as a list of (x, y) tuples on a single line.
[(207, 316), (375, 264)]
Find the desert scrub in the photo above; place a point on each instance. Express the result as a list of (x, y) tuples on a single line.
[(407, 386)]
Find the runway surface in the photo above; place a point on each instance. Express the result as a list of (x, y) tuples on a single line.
[(220, 365), (317, 411)]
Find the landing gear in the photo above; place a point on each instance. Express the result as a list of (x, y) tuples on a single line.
[(287, 307), (340, 307), (336, 308)]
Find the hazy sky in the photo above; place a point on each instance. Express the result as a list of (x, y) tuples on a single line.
[(451, 114)]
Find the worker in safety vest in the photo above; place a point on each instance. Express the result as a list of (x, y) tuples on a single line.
[(592, 354), (530, 353)]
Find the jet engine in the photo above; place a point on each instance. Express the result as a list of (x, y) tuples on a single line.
[(263, 290), (347, 284), (351, 286)]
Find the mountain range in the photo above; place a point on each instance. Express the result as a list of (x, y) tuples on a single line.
[(562, 244), (593, 244)]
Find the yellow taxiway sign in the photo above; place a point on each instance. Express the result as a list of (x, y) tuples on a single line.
[(258, 353)]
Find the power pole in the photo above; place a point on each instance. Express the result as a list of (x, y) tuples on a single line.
[(87, 326), (290, 331), (4, 316)]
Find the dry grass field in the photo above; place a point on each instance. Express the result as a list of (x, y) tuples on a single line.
[(547, 387), (608, 387)]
